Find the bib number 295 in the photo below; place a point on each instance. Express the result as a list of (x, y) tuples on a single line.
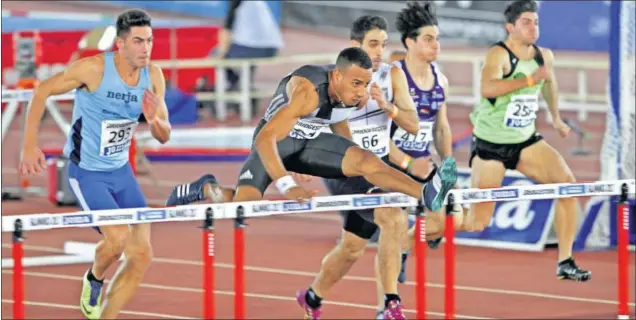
[(119, 135), (116, 136)]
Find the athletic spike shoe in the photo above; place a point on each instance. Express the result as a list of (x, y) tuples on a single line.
[(191, 192), (434, 192), (91, 298), (310, 313), (568, 270), (394, 311), (434, 244)]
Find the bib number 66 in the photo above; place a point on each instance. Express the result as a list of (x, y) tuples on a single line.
[(370, 142)]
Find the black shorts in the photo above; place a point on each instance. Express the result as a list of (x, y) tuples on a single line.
[(320, 157), (361, 222), (508, 154)]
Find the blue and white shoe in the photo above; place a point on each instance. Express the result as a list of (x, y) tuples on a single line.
[(434, 193), (190, 192)]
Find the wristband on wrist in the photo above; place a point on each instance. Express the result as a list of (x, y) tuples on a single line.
[(285, 183), (530, 81), (406, 163), (409, 167), (394, 113)]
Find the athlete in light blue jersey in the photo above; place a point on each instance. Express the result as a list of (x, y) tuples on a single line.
[(113, 90)]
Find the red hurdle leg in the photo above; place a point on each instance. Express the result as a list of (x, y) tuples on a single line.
[(209, 309), (622, 229), (18, 271), (449, 262), (239, 264), (420, 264)]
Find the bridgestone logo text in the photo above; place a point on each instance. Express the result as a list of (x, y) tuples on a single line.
[(332, 204), (369, 130), (538, 192), (118, 125), (309, 126), (115, 217)]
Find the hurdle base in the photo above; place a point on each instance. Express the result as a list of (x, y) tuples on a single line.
[(54, 260), (74, 253), (10, 196), (17, 193)]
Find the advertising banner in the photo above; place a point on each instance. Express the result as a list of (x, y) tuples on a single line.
[(519, 224), (460, 22)]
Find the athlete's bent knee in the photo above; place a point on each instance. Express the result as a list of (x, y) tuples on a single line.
[(115, 239), (352, 250), (565, 176), (360, 162), (392, 220), (140, 255)]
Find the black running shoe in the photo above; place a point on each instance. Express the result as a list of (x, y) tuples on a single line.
[(568, 270), (190, 192), (434, 244)]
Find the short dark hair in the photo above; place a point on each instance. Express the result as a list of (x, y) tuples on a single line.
[(132, 18), (516, 8), (413, 17), (365, 24), (353, 56)]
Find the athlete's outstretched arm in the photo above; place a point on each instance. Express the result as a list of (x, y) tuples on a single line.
[(73, 77), (160, 127), (550, 87), (406, 118), (492, 84), (550, 92), (303, 100), (443, 135)]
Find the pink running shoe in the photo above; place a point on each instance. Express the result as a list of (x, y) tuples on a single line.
[(310, 313), (394, 311)]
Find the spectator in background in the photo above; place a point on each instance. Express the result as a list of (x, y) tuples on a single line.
[(250, 31)]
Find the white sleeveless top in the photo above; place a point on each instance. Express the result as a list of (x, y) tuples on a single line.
[(370, 126), (256, 27)]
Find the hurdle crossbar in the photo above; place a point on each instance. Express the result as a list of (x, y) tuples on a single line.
[(264, 208), (242, 210)]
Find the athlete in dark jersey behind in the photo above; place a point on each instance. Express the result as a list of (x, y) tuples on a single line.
[(289, 138)]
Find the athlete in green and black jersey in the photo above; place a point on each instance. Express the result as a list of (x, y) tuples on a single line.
[(515, 73)]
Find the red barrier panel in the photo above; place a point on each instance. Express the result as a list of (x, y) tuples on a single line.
[(58, 46)]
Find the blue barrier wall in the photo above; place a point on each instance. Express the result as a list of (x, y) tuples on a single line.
[(207, 9), (574, 25)]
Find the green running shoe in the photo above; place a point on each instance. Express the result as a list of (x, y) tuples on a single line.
[(91, 299)]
